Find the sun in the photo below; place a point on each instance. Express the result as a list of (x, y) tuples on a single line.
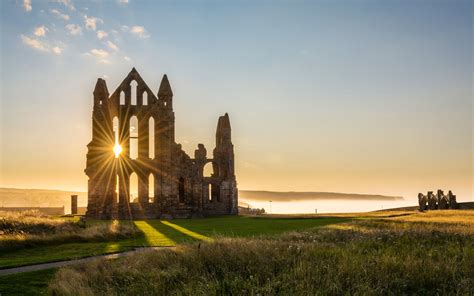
[(117, 150)]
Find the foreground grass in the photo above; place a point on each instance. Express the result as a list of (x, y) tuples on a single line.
[(423, 253), (148, 233)]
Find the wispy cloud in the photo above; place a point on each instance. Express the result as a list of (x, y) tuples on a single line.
[(40, 31), (123, 1), (74, 29), (91, 22), (101, 34), (40, 45), (27, 5), (127, 58), (34, 43), (59, 14), (99, 54), (139, 31), (67, 3), (112, 45)]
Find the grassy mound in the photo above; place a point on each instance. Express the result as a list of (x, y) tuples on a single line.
[(413, 254)]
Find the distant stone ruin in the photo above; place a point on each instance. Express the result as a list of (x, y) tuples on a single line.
[(438, 201), (133, 135)]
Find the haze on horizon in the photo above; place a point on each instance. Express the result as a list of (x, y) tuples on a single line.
[(358, 97)]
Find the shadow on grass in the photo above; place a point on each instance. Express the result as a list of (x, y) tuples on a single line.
[(28, 283)]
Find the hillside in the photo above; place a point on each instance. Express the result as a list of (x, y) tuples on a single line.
[(13, 197), (300, 196)]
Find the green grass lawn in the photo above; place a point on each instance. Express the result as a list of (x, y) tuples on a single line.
[(163, 233)]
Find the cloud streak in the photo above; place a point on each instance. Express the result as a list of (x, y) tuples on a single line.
[(59, 14), (138, 31), (34, 43), (40, 45), (112, 46), (99, 53)]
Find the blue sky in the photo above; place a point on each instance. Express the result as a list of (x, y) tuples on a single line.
[(351, 96)]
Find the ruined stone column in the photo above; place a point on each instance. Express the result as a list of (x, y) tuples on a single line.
[(142, 188), (143, 137), (74, 204)]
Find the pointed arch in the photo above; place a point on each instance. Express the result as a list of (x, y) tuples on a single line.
[(117, 148), (207, 170), (134, 137), (215, 193), (115, 127), (145, 98), (133, 92), (151, 188), (133, 193), (122, 98), (151, 138)]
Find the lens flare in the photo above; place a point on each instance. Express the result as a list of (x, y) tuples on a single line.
[(117, 150)]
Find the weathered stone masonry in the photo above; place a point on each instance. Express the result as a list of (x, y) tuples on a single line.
[(179, 187)]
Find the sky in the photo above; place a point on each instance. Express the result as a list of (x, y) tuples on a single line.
[(341, 96)]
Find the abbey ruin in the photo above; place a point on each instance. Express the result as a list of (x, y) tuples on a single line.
[(133, 137)]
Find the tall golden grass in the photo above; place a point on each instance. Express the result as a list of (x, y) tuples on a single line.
[(31, 228)]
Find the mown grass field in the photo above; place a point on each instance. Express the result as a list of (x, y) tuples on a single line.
[(366, 254), (33, 248)]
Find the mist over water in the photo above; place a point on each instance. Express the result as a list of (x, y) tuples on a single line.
[(327, 206)]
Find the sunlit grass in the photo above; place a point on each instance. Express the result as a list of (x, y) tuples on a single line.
[(187, 231), (152, 236)]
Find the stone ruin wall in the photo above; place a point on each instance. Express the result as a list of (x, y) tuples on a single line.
[(179, 187)]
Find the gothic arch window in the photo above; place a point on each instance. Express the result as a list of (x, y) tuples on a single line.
[(181, 190), (151, 188), (122, 98), (133, 137), (115, 127), (207, 170), (145, 98), (117, 185), (151, 138), (215, 193), (133, 92), (133, 187)]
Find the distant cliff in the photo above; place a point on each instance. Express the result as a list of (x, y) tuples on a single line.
[(13, 197), (299, 196)]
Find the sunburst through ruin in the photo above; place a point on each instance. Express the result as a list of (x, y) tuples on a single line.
[(170, 183)]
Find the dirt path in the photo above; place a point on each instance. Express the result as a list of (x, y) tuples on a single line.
[(43, 266)]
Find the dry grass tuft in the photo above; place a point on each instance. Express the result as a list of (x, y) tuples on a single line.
[(31, 228)]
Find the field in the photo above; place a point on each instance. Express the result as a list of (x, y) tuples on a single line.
[(368, 253)]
